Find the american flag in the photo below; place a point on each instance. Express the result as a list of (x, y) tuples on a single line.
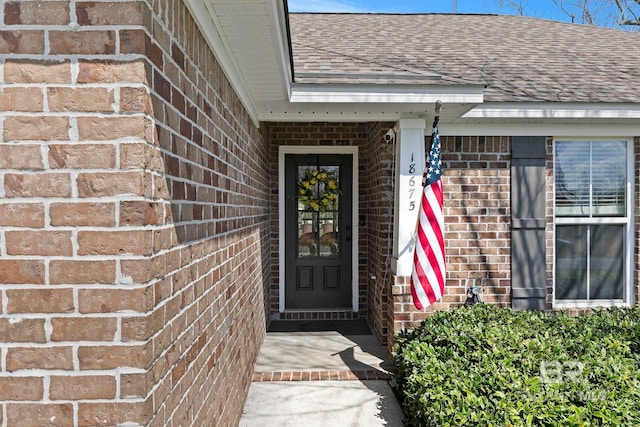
[(428, 275)]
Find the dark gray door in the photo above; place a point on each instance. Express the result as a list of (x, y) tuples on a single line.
[(318, 231)]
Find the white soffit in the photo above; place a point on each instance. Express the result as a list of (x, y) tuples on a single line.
[(248, 37)]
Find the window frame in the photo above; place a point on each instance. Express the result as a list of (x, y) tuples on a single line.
[(627, 220)]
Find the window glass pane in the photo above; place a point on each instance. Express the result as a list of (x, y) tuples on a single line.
[(307, 234), (329, 187), (606, 262), (318, 195), (572, 176), (328, 234), (608, 177), (307, 186), (590, 178), (571, 262)]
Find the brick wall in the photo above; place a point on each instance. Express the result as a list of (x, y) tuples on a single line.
[(134, 220), (477, 189), (377, 175)]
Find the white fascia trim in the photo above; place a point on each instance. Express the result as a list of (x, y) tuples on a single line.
[(385, 94), (541, 129), (206, 22), (554, 110), (278, 22)]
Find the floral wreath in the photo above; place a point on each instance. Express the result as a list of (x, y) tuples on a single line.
[(327, 186)]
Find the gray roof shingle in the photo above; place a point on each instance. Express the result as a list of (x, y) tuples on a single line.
[(519, 59)]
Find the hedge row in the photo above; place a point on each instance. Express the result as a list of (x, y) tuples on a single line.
[(485, 365)]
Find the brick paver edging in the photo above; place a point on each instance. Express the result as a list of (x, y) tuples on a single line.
[(321, 376)]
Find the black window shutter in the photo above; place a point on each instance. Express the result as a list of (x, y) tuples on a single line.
[(528, 205)]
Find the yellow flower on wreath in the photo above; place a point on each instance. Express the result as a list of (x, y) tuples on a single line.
[(318, 190)]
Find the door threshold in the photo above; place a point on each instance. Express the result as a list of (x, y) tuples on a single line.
[(342, 326), (318, 314), (318, 310)]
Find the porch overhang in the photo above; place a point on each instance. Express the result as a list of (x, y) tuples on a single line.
[(251, 42)]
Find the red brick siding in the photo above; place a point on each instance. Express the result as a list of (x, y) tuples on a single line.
[(134, 221), (376, 177)]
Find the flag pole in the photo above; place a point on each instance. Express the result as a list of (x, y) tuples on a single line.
[(436, 119)]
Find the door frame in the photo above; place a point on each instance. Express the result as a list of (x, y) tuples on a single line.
[(286, 149)]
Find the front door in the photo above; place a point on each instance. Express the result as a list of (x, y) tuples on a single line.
[(318, 231)]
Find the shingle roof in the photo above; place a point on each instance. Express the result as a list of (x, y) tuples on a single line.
[(519, 59)]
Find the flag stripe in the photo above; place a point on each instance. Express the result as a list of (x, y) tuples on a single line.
[(431, 275), (428, 275), (434, 260), (431, 239), (433, 213), (422, 296)]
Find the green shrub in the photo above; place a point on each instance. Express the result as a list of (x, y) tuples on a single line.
[(492, 366)]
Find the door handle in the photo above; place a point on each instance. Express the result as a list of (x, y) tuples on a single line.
[(348, 238)]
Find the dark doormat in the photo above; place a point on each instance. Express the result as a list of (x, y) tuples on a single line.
[(344, 327)]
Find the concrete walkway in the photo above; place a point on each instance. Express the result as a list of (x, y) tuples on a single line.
[(321, 379)]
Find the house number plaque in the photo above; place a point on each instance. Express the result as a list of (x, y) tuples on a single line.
[(410, 154), (412, 183)]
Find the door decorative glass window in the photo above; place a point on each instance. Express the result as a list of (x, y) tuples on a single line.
[(318, 212)]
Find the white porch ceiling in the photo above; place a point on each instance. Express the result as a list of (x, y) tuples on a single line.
[(249, 39), (254, 32)]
